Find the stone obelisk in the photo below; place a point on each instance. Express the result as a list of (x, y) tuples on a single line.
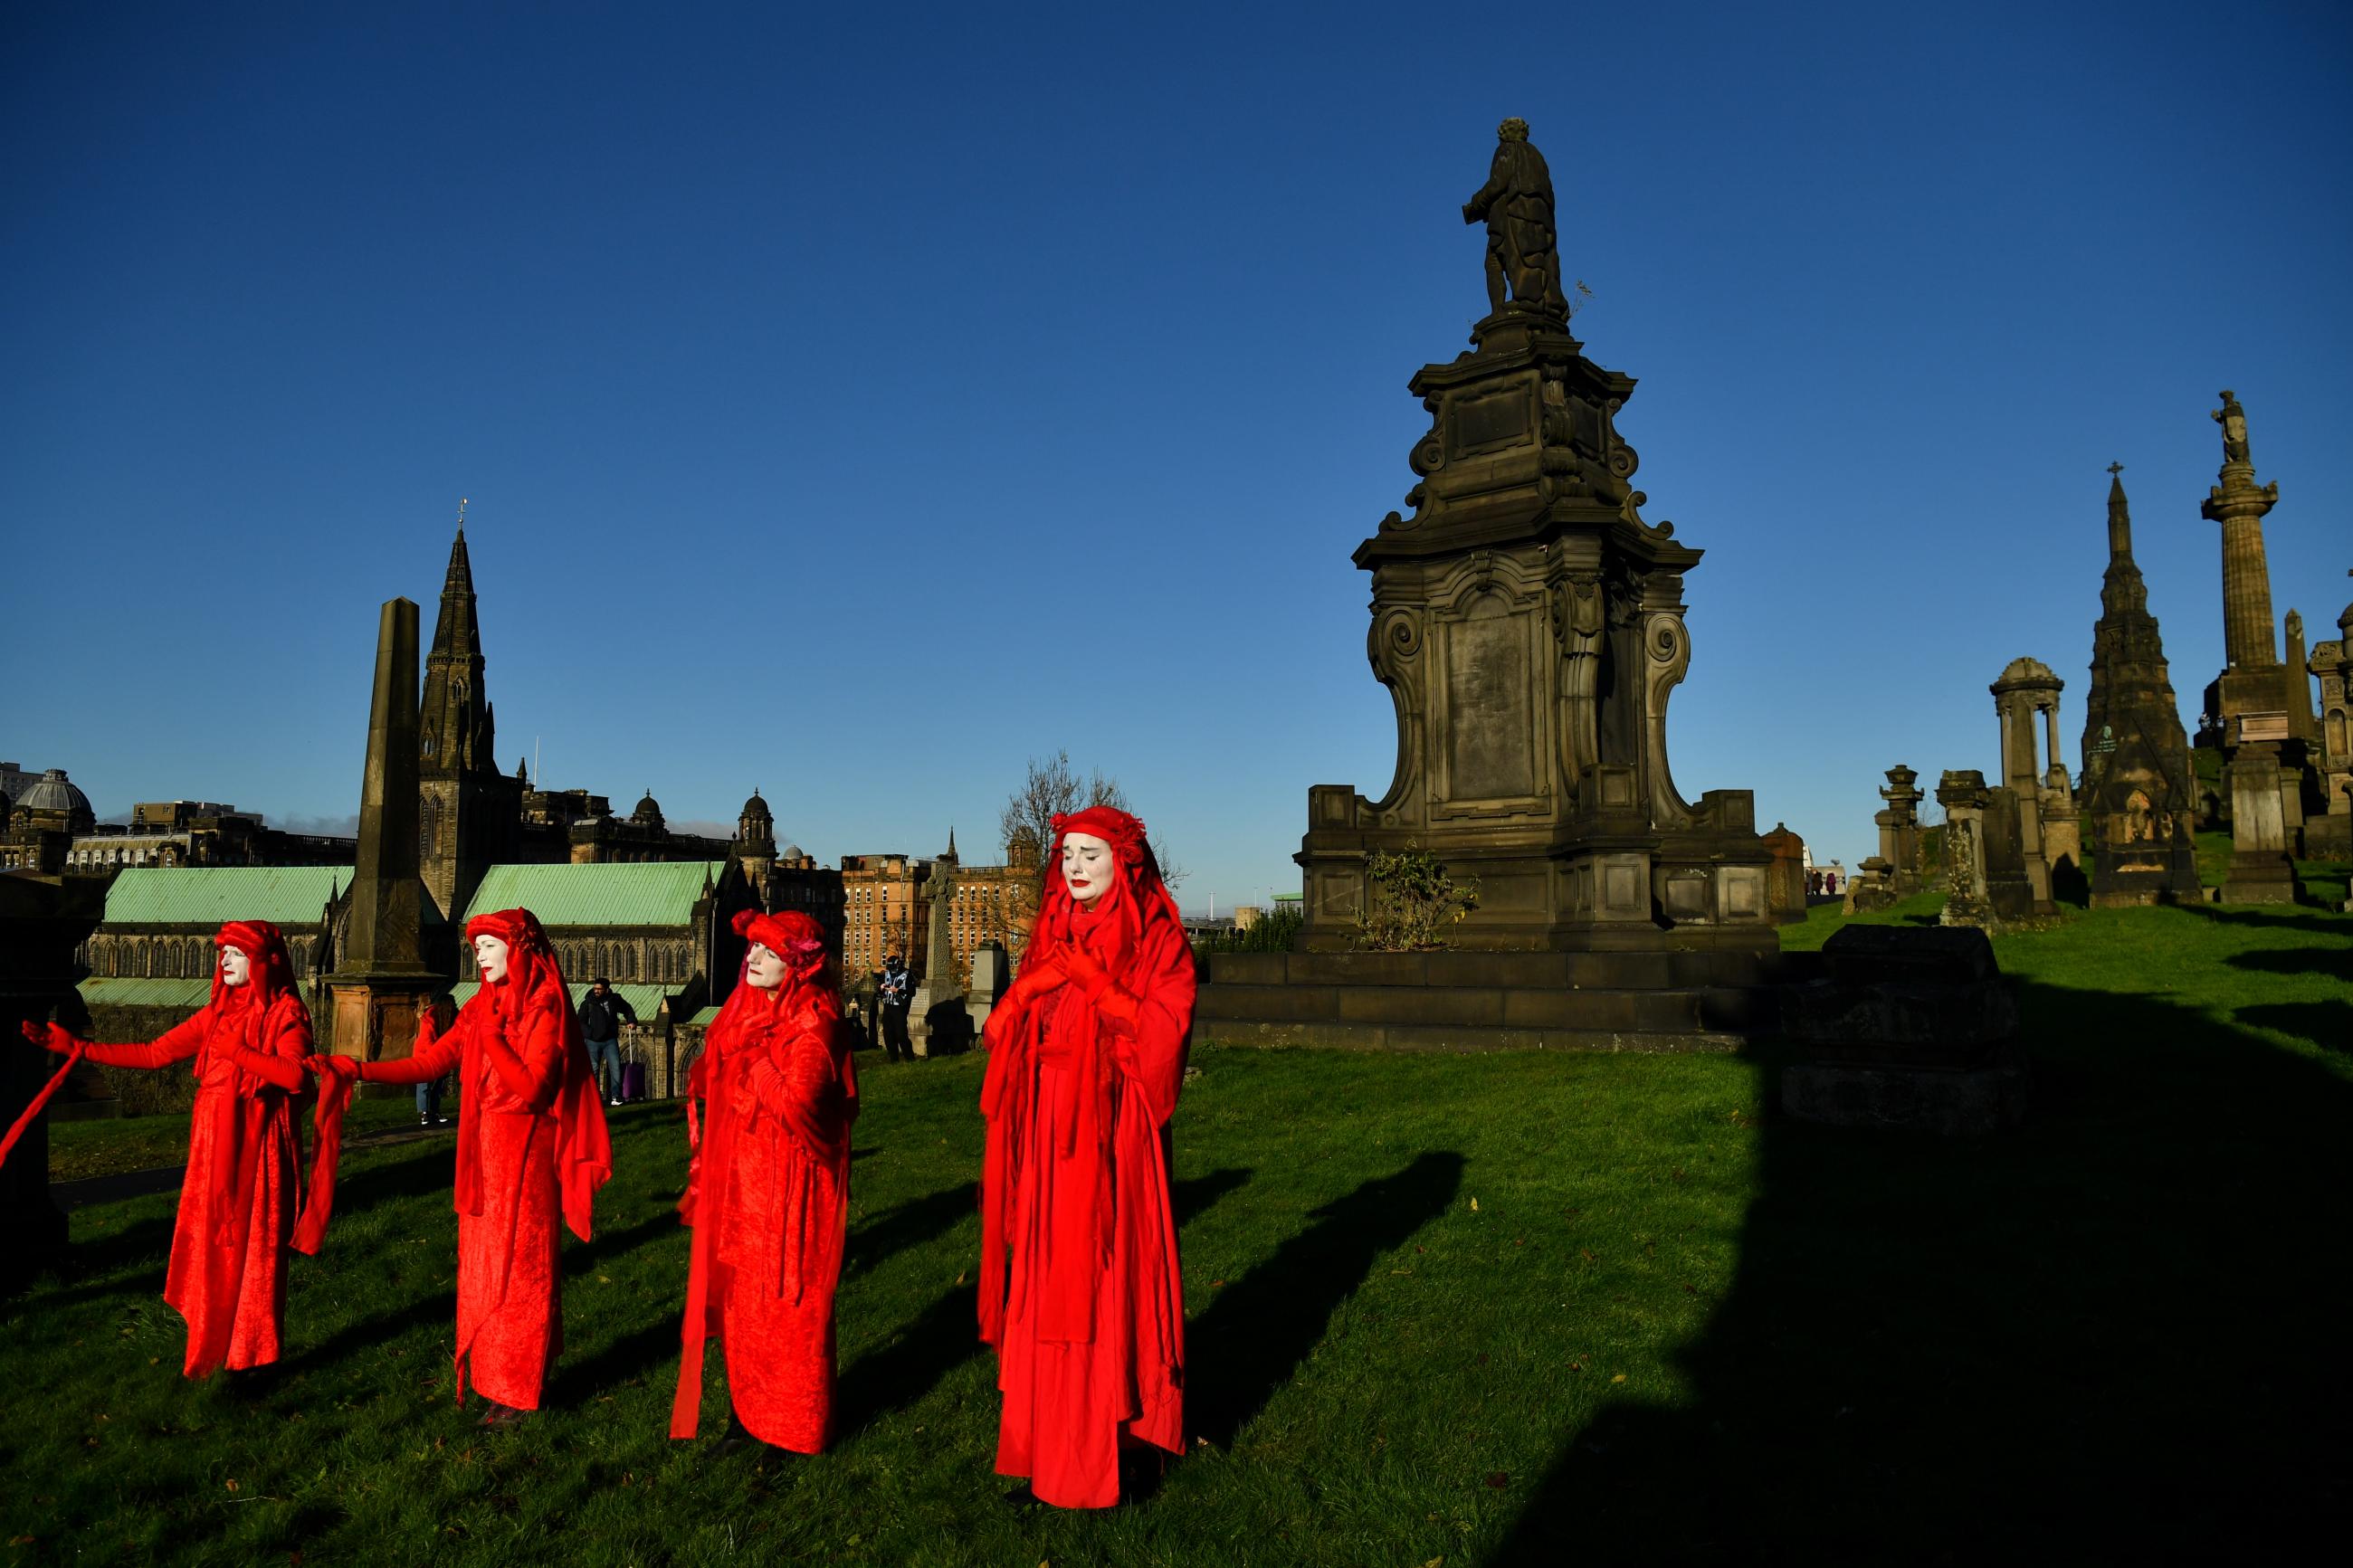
[(382, 982)]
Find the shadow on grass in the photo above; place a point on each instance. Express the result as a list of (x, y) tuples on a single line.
[(1251, 1342), (2328, 1025), (910, 1224), (911, 1361), (2114, 1334)]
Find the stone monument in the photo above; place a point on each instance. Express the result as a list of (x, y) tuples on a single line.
[(1985, 861), (2330, 835), (2253, 682), (1785, 888), (381, 982), (938, 1023), (1909, 1029), (1529, 625), (2137, 781), (2048, 833), (1899, 832)]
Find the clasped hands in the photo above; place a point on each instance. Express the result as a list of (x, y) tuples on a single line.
[(1065, 963)]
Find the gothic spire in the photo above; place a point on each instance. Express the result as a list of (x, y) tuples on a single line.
[(2119, 516)]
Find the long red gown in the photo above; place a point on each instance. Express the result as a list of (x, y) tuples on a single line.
[(1087, 1313), (228, 1274), (768, 1195), (523, 1172)]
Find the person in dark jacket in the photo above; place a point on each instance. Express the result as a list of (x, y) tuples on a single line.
[(897, 994), (602, 1013)]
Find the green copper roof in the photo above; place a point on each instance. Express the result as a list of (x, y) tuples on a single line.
[(645, 1000), (290, 897), (122, 991), (625, 895)]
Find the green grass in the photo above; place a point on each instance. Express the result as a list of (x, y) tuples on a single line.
[(1497, 1308)]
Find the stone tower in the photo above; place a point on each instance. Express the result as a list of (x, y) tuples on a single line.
[(2137, 783), (471, 814), (1529, 626), (2254, 681), (755, 846)]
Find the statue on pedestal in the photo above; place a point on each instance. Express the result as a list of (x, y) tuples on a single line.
[(1516, 205)]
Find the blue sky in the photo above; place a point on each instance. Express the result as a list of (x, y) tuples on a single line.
[(857, 404)]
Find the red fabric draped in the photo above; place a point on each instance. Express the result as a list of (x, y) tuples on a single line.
[(533, 1149), (1080, 1291), (767, 1194), (40, 1102), (228, 1272)]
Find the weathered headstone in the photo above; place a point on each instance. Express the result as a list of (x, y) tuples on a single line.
[(1912, 1028)]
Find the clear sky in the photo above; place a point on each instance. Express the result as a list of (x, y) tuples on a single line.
[(857, 401)]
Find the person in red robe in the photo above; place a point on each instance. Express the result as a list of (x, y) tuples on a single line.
[(533, 1149), (767, 1191), (1079, 1289), (237, 1204)]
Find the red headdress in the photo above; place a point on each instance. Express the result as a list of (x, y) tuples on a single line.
[(1137, 897), (272, 974), (583, 1149), (791, 936)]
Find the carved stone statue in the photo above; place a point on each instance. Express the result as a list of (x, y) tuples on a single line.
[(2233, 421), (1517, 206)]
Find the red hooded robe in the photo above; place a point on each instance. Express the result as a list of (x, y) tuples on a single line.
[(1079, 1289), (532, 1150), (227, 1274), (767, 1193)]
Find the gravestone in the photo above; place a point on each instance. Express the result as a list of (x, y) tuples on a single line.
[(1911, 1028), (992, 973)]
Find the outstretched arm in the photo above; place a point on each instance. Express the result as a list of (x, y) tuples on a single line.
[(175, 1045), (433, 1056)]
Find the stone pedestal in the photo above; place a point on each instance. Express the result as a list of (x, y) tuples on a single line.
[(1529, 626), (1911, 1029), (2260, 869)]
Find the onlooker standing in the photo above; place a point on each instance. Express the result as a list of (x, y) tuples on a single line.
[(602, 1013), (428, 1094), (897, 990)]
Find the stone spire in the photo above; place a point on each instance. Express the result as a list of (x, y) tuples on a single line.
[(457, 723), (472, 814), (2136, 775)]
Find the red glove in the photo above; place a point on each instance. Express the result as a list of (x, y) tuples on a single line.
[(1041, 971), (50, 1037), (326, 1064)]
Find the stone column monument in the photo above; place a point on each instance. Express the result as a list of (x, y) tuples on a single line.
[(1899, 829), (2138, 783), (2252, 679), (381, 983)]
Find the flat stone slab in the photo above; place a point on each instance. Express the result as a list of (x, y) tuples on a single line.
[(1911, 1099)]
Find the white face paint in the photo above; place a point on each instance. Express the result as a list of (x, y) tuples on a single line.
[(1087, 863), (236, 968), (490, 958), (766, 970)]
